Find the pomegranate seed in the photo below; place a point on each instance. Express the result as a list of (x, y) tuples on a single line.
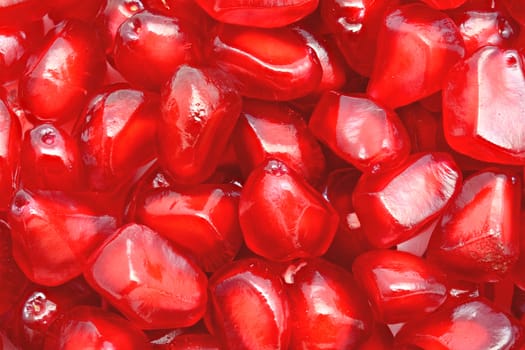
[(192, 342), (397, 204), (112, 15), (148, 279), (54, 234), (269, 64), (72, 9), (201, 219), (14, 13), (478, 237), (360, 131), (282, 217), (149, 48), (381, 339), (58, 95), (517, 9), (274, 130), (50, 160), (199, 109), (400, 286), (422, 44), (258, 13), (482, 106), (474, 325), (249, 307), (86, 327), (116, 135), (326, 307), (355, 25)]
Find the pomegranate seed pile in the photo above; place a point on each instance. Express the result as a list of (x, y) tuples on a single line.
[(262, 175)]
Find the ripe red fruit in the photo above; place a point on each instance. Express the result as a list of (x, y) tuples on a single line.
[(41, 306), (258, 13), (54, 234), (381, 339), (249, 307), (112, 15), (268, 64), (15, 46), (396, 204), (400, 286), (483, 106), (478, 236), (517, 9), (355, 25), (50, 160), (199, 109), (360, 131), (327, 309), (282, 217), (474, 325), (274, 130), (149, 48), (201, 219), (421, 44), (59, 78), (72, 9), (116, 135), (148, 279), (481, 28), (87, 327)]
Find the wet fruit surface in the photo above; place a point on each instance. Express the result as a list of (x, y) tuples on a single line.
[(262, 174)]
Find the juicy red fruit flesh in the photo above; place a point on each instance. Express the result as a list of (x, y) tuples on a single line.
[(262, 174)]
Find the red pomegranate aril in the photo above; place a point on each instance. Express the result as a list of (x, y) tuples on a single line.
[(15, 46), (355, 24), (53, 234), (13, 280), (248, 307), (282, 217), (332, 62), (360, 131), (274, 130), (483, 106), (148, 279), (87, 327), (112, 15), (187, 10), (482, 28), (350, 240), (400, 286), (259, 13), (327, 309), (10, 139), (149, 48), (478, 236), (41, 306), (268, 64), (59, 78), (201, 219), (50, 160), (73, 9), (397, 204), (421, 44), (116, 135), (199, 109), (473, 325)]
